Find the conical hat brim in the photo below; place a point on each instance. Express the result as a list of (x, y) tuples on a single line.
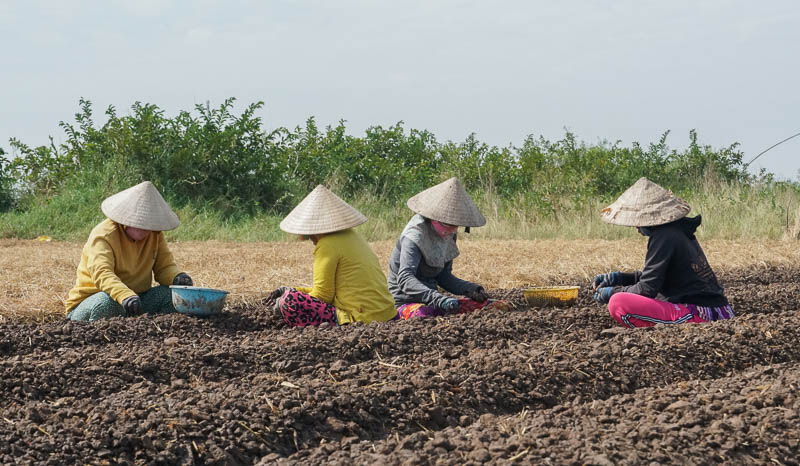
[(321, 212), (449, 203), (140, 206), (645, 204)]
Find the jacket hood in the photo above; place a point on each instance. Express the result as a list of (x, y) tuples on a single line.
[(688, 225)]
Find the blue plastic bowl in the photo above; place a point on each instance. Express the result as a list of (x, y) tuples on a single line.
[(198, 301)]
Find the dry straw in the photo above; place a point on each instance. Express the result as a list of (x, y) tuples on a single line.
[(38, 275)]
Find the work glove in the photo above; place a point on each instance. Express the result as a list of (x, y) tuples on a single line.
[(132, 305), (183, 280), (478, 294), (449, 304), (603, 295), (607, 279), (278, 292)]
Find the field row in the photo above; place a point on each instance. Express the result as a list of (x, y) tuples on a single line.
[(239, 387)]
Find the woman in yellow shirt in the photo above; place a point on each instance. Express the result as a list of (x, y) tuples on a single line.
[(349, 285), (123, 254)]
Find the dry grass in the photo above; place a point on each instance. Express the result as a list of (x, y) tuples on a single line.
[(37, 276)]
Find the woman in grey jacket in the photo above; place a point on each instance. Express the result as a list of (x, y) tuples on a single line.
[(422, 260)]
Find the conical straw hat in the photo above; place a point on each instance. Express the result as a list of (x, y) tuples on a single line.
[(321, 212), (141, 206), (449, 203), (645, 204)]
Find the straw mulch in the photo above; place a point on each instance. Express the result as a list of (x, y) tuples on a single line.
[(37, 275)]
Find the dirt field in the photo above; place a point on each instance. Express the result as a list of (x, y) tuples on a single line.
[(534, 385)]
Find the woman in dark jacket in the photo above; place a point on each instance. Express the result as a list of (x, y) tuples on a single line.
[(677, 284), (422, 260)]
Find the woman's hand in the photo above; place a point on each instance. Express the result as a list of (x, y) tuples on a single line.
[(449, 304), (478, 294), (607, 279), (278, 292), (603, 295), (132, 305), (182, 279)]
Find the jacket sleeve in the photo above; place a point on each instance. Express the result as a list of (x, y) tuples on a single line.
[(101, 264), (453, 284), (651, 279), (628, 278), (164, 268), (407, 281), (326, 261)]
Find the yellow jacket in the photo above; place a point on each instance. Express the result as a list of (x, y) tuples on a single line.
[(121, 267), (348, 275)]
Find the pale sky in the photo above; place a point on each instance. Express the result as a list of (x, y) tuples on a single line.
[(616, 70)]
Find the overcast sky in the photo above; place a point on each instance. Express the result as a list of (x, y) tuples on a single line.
[(616, 70)]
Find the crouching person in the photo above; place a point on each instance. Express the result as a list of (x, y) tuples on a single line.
[(422, 259), (122, 256), (348, 284), (675, 269)]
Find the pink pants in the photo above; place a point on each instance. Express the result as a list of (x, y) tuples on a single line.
[(633, 310), (301, 309)]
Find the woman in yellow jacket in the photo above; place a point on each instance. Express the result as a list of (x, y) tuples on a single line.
[(122, 256), (349, 285)]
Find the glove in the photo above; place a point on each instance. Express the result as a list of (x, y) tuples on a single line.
[(607, 279), (603, 295), (278, 293), (132, 305), (478, 294), (449, 304), (182, 279)]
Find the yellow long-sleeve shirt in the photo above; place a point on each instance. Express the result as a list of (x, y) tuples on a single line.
[(121, 267), (348, 275)]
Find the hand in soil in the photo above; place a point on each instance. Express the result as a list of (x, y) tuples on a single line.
[(478, 294), (132, 305), (277, 293)]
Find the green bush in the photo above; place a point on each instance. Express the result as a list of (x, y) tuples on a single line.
[(213, 156), (6, 184), (227, 165)]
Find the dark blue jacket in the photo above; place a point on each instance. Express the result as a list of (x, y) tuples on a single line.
[(676, 268)]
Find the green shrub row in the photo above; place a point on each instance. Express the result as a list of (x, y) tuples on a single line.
[(213, 159)]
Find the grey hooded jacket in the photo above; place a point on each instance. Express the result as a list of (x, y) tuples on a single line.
[(413, 280)]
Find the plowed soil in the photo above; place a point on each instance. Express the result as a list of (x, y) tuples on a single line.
[(533, 385)]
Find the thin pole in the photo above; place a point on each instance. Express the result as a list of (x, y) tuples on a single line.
[(770, 147)]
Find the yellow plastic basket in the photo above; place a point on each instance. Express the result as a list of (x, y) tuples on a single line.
[(551, 295)]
